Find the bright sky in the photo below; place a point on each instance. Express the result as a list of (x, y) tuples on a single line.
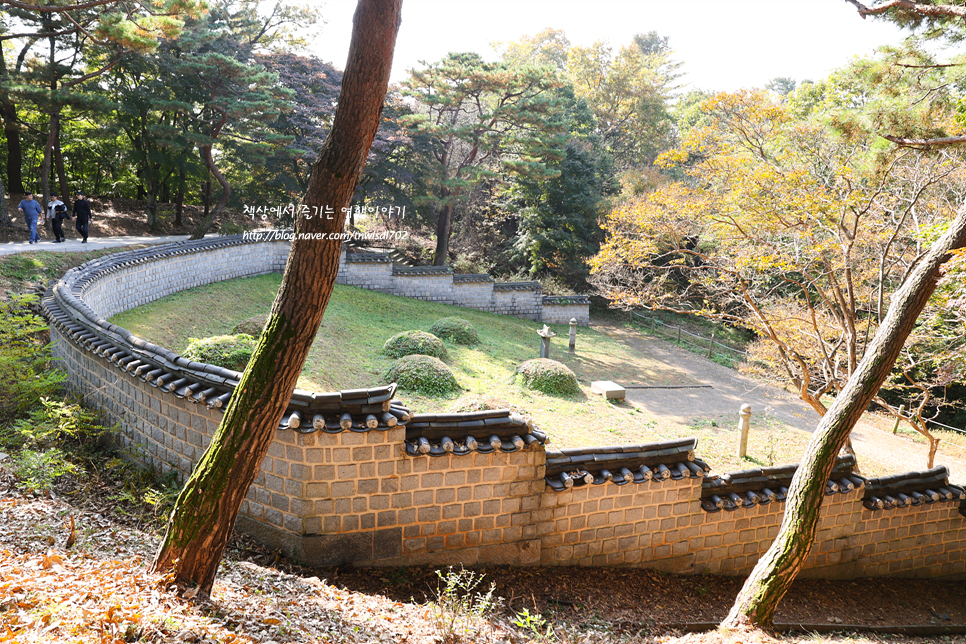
[(724, 44)]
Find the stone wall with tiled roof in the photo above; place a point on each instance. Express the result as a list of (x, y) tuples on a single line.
[(477, 291), (355, 477)]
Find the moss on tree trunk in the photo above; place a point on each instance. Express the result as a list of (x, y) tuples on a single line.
[(776, 570), (205, 512)]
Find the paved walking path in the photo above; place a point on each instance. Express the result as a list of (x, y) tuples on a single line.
[(93, 243), (729, 390)]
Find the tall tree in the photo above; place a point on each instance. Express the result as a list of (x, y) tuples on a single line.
[(224, 95), (206, 509), (776, 570), (628, 93), (483, 119), (756, 603), (70, 29), (784, 225)]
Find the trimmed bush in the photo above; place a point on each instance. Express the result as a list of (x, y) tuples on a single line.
[(549, 376), (456, 330), (252, 326), (423, 375), (410, 343), (228, 351)]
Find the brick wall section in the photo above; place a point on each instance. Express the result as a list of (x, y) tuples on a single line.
[(661, 526), (563, 313), (473, 295), (359, 497), (373, 275), (519, 301), (431, 288), (145, 283), (165, 433)]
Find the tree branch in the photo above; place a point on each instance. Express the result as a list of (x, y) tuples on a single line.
[(925, 143), (908, 5)]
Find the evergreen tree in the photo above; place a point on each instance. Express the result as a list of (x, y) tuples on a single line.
[(482, 118)]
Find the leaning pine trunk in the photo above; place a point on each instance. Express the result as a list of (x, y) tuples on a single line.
[(776, 570), (205, 512)]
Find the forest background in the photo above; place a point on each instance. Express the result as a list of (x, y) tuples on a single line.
[(782, 210)]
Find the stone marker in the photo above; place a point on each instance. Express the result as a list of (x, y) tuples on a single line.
[(545, 334), (573, 336), (744, 423), (608, 389)]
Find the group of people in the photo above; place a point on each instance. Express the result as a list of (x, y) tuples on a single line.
[(56, 214)]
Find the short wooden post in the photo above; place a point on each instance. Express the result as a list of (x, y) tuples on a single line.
[(653, 323), (679, 335), (711, 347), (895, 428), (744, 424), (573, 336)]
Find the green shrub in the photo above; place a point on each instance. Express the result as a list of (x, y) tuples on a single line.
[(252, 326), (549, 376), (423, 375), (40, 448), (410, 343), (25, 376), (228, 351), (455, 329)]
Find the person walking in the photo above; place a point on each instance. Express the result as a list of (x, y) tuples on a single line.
[(31, 212), (56, 213), (82, 215)]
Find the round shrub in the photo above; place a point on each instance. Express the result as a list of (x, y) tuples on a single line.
[(252, 326), (423, 375), (549, 376), (455, 329), (410, 343), (228, 351)]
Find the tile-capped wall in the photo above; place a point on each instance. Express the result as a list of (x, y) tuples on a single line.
[(402, 496)]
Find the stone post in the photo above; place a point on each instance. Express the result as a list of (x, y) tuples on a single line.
[(744, 424), (545, 334), (573, 336)]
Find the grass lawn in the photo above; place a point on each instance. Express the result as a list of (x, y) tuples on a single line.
[(347, 354), (20, 271)]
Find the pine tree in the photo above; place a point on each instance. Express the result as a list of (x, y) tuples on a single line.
[(206, 509), (483, 119)]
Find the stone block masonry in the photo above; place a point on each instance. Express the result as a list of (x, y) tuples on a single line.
[(355, 477), (438, 284)]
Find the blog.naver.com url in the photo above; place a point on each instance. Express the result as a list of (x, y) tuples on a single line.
[(290, 235)]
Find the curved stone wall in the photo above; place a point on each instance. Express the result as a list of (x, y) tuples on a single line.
[(353, 476)]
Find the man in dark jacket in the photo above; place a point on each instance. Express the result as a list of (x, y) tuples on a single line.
[(82, 213)]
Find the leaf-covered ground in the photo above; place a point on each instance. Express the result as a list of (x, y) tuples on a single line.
[(99, 590)]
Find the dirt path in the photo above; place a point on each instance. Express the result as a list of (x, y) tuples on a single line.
[(726, 390)]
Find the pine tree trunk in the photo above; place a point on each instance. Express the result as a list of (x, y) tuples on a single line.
[(11, 131), (205, 512), (179, 206), (5, 220), (444, 227), (756, 603), (46, 163), (202, 229), (61, 173)]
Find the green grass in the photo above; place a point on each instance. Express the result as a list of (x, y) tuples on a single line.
[(20, 271), (348, 353)]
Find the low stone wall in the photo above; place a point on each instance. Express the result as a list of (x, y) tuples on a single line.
[(390, 488), (438, 284)]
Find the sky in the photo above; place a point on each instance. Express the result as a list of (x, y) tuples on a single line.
[(724, 44)]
